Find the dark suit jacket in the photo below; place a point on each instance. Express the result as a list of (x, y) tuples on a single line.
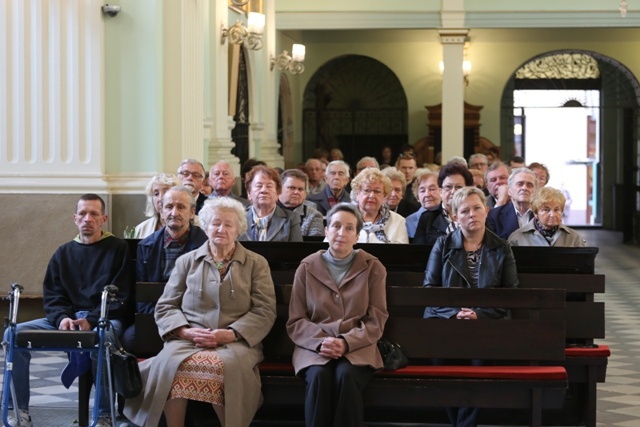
[(405, 208), (151, 254), (431, 225), (503, 220), (242, 200), (322, 199), (200, 202), (284, 226)]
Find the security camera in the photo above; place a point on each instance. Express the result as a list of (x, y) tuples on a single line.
[(111, 9)]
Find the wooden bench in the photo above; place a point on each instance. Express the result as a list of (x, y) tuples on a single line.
[(522, 345), (571, 269)]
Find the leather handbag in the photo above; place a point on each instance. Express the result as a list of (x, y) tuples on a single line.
[(392, 354), (125, 372)]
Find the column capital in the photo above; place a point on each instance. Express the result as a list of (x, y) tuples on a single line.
[(454, 36)]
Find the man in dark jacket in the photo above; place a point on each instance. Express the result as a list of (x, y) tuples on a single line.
[(72, 288), (157, 253)]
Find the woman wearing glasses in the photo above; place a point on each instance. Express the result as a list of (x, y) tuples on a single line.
[(441, 221), (381, 225)]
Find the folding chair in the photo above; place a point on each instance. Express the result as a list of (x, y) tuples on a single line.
[(67, 341)]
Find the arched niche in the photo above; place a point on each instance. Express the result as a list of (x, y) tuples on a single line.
[(355, 103)]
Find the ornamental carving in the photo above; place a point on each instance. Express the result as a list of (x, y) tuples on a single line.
[(561, 66)]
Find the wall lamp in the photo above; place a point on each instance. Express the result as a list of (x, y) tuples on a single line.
[(251, 35), (292, 63), (466, 70)]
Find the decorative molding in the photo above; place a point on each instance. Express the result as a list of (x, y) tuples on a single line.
[(356, 20), (469, 19), (57, 183), (561, 66), (574, 19)]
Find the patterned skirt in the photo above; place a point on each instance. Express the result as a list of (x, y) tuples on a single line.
[(200, 377)]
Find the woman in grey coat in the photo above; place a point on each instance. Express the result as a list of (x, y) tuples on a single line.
[(546, 229), (217, 306)]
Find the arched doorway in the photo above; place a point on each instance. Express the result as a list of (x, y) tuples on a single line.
[(612, 167), (357, 104)]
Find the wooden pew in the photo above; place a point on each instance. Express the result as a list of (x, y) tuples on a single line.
[(409, 394), (532, 339), (571, 269)]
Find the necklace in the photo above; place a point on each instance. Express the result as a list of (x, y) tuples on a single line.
[(220, 264)]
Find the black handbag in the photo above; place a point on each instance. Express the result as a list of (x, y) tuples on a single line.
[(392, 354), (125, 372)]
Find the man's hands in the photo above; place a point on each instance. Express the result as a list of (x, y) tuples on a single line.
[(206, 338), (503, 195), (333, 348), (69, 324)]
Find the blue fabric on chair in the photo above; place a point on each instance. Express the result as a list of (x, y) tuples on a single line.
[(79, 363)]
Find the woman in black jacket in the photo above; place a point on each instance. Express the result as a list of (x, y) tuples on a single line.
[(474, 257)]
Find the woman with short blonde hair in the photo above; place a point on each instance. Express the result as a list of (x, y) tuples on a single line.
[(381, 225)]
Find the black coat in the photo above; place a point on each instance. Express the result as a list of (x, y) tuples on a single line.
[(431, 225), (448, 267)]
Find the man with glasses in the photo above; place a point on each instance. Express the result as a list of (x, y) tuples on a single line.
[(191, 174), (496, 179), (407, 164), (479, 161), (293, 198)]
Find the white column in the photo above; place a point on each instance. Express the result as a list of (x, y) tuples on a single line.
[(220, 143), (51, 96), (453, 92), (192, 80), (264, 96)]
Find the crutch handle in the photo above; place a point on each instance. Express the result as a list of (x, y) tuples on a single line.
[(16, 290), (108, 293), (112, 290)]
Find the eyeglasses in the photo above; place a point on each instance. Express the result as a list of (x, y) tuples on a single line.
[(369, 192), (186, 174), (407, 156), (449, 188)]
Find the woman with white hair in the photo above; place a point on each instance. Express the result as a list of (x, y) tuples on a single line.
[(156, 188), (216, 309)]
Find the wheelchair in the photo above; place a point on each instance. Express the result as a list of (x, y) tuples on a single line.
[(93, 342)]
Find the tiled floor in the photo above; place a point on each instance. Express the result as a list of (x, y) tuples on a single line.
[(618, 398)]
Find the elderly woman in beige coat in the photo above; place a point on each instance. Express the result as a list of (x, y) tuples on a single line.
[(217, 306), (337, 313)]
